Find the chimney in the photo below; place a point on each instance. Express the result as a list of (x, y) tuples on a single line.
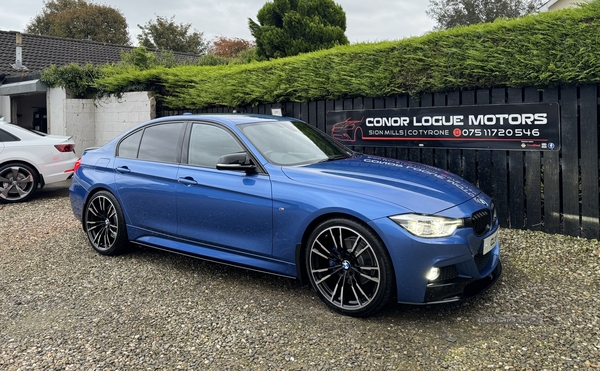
[(19, 60)]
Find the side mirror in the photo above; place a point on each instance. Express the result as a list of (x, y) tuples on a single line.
[(237, 162)]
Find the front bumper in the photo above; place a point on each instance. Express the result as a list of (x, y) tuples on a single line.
[(463, 289), (465, 270)]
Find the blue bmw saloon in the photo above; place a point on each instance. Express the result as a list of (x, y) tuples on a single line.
[(277, 195)]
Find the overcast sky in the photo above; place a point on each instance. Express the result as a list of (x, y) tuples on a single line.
[(366, 20)]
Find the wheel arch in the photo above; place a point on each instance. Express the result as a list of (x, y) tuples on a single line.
[(24, 162), (356, 137), (301, 272)]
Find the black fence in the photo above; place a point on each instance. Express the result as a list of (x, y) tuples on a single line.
[(551, 191)]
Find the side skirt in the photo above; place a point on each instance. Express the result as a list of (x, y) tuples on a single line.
[(220, 255)]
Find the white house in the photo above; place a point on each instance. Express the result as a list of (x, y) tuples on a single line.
[(28, 102), (559, 4)]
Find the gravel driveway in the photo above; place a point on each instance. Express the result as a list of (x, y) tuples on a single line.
[(64, 307)]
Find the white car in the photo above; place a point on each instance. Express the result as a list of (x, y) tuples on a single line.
[(29, 160)]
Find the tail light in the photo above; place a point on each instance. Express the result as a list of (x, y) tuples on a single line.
[(65, 147), (77, 164)]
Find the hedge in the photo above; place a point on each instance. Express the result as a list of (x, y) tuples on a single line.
[(542, 50)]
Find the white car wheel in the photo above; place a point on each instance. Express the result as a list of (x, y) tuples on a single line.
[(17, 182)]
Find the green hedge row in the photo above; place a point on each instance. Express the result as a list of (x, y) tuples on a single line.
[(547, 49)]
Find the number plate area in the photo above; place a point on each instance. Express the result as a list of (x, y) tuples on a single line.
[(490, 241)]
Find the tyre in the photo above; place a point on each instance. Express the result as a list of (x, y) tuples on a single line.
[(17, 182), (349, 267), (104, 224)]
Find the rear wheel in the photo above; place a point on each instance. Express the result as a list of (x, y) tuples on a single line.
[(104, 224), (17, 182), (349, 267)]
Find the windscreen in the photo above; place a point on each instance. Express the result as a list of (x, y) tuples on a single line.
[(293, 143)]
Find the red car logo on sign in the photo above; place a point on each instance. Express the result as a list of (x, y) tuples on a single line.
[(348, 130)]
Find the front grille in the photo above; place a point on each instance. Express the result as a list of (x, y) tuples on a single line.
[(482, 260), (481, 221)]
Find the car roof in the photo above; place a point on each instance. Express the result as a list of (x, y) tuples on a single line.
[(19, 131), (226, 118)]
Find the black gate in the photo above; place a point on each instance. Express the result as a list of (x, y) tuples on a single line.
[(551, 191)]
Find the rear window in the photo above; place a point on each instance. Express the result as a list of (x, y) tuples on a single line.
[(26, 131)]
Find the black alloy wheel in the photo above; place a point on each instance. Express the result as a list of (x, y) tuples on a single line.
[(349, 267), (104, 224)]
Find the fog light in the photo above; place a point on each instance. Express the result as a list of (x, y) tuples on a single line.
[(433, 274)]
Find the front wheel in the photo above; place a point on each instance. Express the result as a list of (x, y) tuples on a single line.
[(104, 224), (349, 267)]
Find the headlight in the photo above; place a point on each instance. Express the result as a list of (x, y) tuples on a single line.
[(427, 226)]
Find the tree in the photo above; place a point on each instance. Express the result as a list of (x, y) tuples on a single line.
[(79, 19), (145, 60), (291, 27), (452, 13), (229, 48), (164, 34)]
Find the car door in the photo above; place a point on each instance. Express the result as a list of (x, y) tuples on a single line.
[(222, 208), (146, 166)]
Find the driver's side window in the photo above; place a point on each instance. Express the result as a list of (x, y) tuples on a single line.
[(208, 143)]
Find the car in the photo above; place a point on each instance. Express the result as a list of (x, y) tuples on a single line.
[(348, 130), (275, 194), (29, 160)]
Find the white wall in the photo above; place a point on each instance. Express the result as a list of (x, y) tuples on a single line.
[(114, 116), (95, 122), (55, 101), (562, 4), (80, 123), (5, 107)]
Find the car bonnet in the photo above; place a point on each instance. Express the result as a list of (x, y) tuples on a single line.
[(414, 186)]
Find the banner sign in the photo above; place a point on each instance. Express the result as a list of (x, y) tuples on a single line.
[(529, 126)]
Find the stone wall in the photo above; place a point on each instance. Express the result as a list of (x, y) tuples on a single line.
[(95, 122)]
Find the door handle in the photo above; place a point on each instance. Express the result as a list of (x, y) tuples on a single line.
[(187, 181), (123, 170)]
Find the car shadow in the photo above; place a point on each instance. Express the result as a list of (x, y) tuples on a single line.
[(60, 189), (263, 282)]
